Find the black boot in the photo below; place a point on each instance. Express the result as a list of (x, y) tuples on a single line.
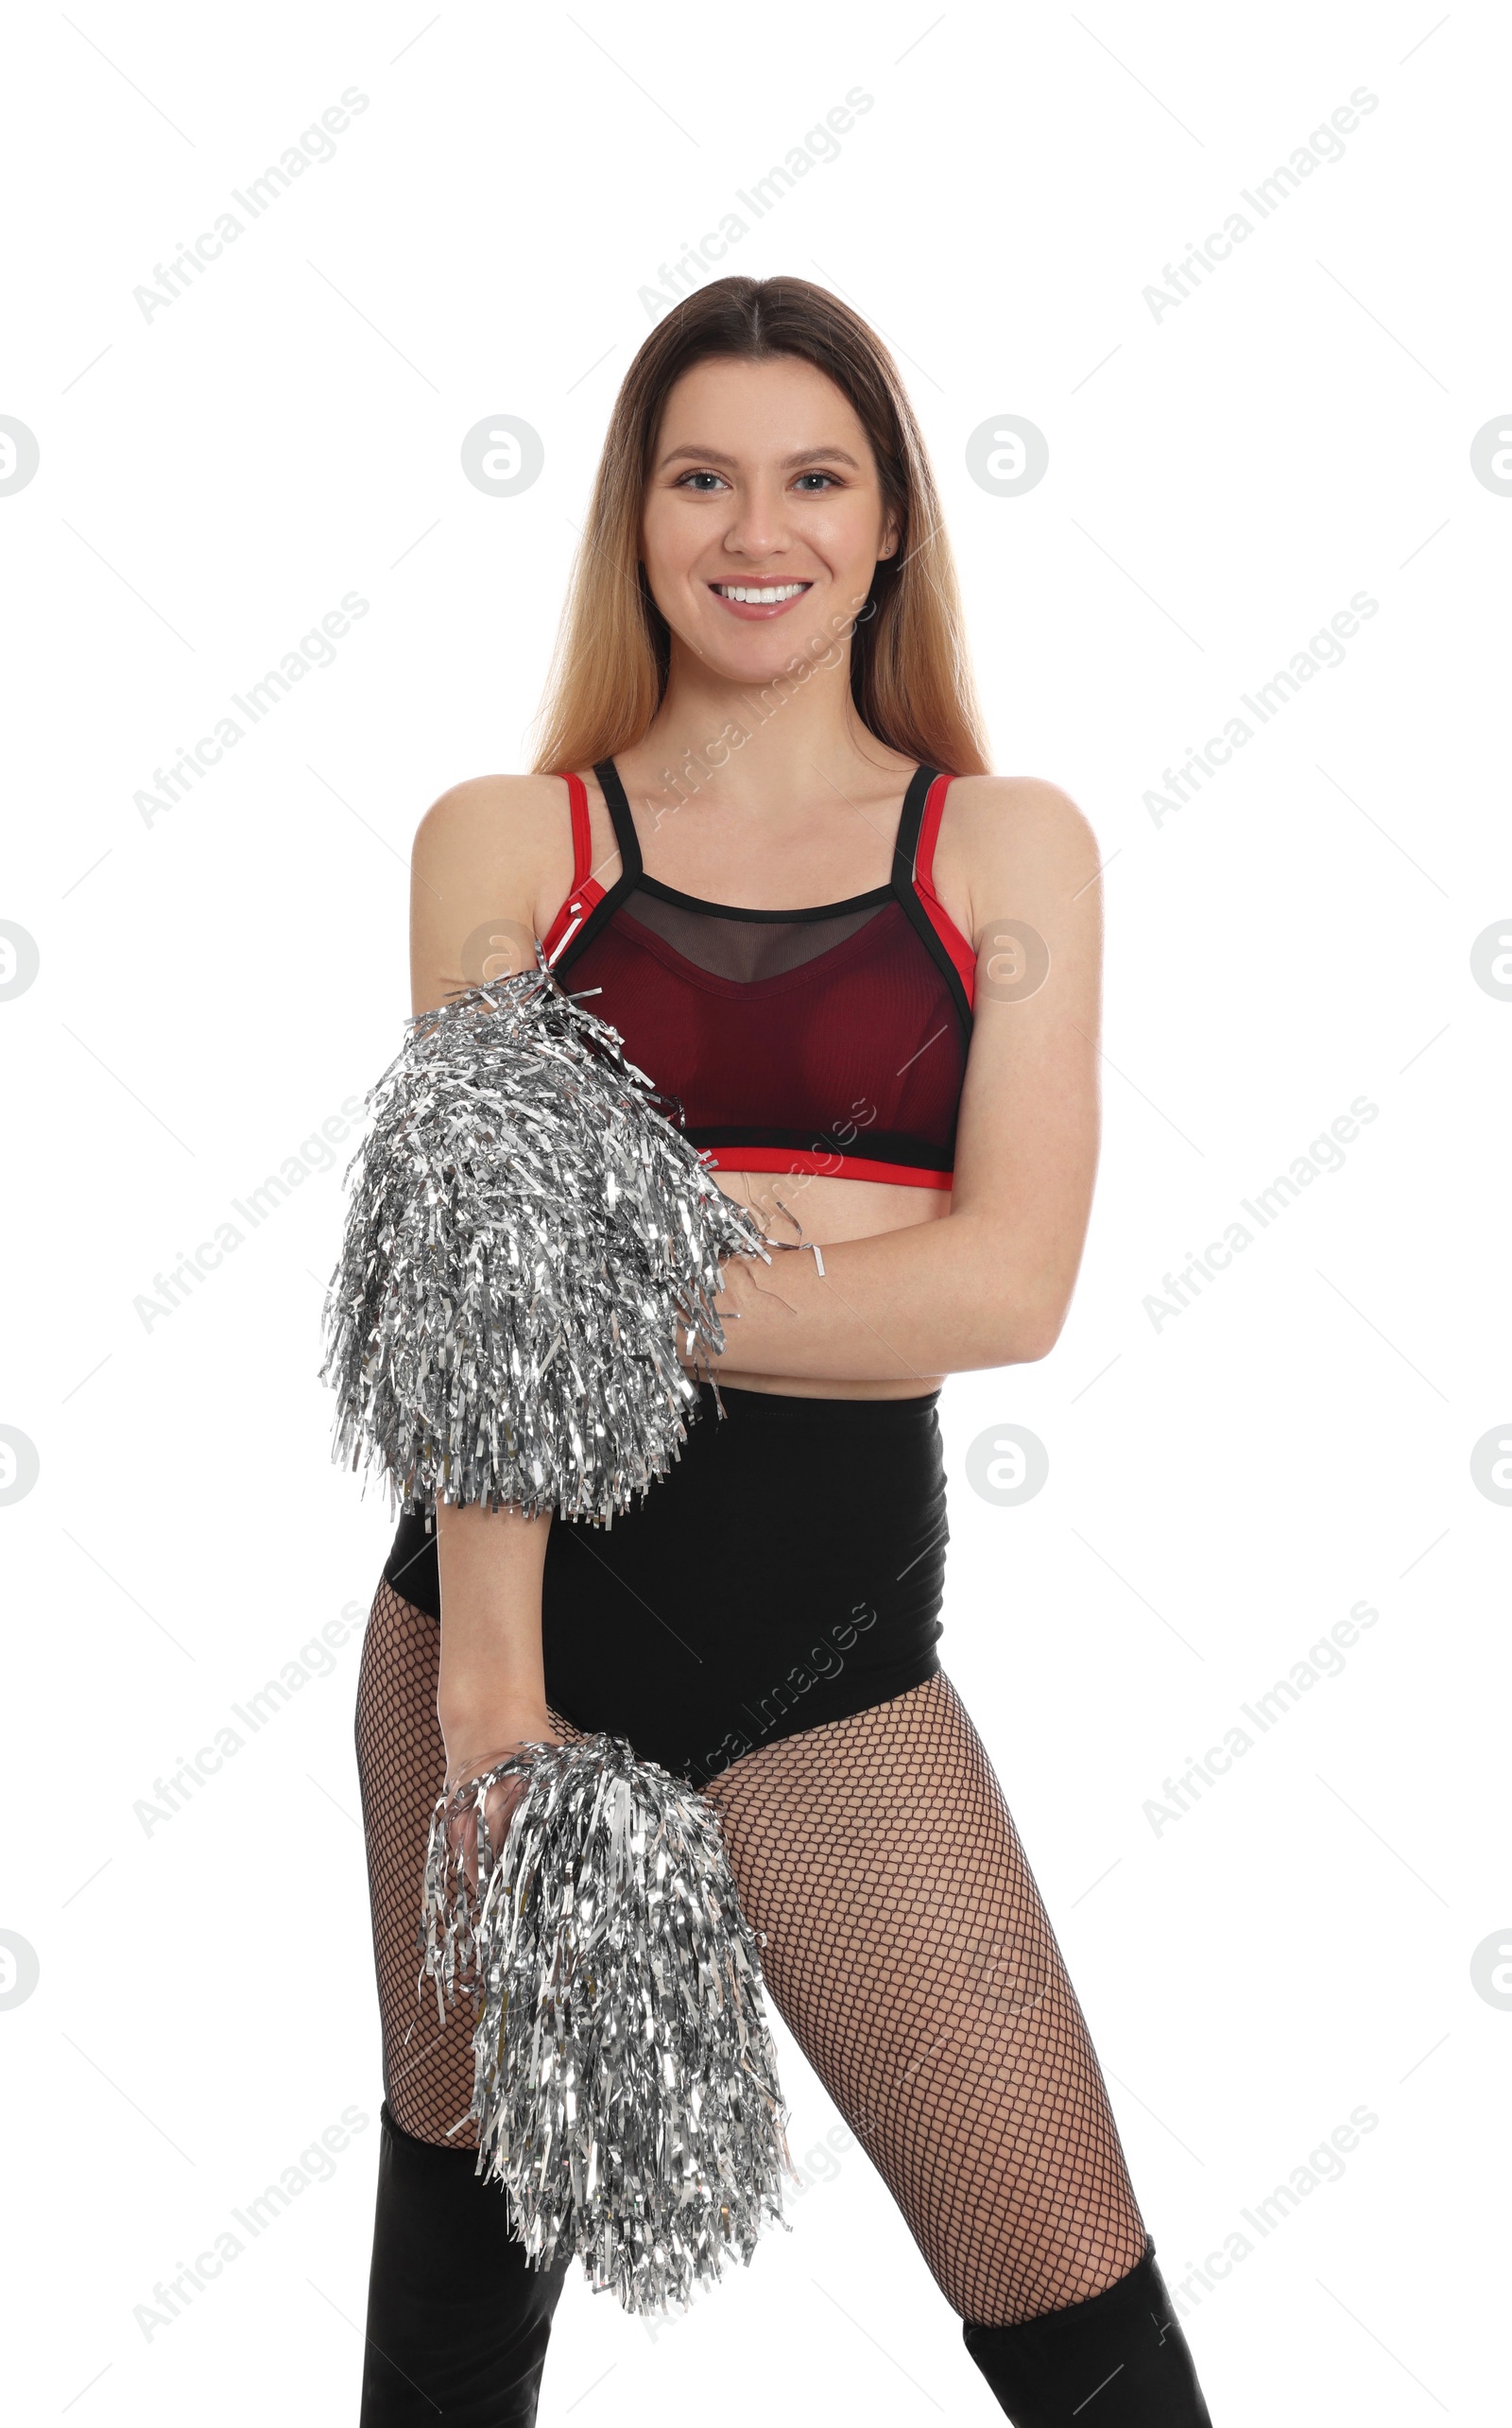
[(1117, 2360), (457, 2322)]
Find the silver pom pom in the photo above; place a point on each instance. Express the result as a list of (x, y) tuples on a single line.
[(625, 2082), (527, 1230)]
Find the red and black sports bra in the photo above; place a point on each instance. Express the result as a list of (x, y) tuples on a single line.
[(828, 1040)]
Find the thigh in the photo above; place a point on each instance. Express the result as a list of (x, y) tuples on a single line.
[(400, 1768), (910, 1954), (427, 2051)]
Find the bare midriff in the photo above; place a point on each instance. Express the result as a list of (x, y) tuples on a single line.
[(804, 1208)]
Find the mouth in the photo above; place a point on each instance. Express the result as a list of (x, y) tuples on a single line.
[(758, 602)]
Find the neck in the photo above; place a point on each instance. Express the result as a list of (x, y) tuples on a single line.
[(734, 745)]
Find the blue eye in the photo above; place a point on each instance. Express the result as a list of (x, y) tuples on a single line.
[(828, 478), (687, 477)]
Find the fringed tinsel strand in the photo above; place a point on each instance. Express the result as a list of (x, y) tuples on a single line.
[(626, 2088), (525, 1232)]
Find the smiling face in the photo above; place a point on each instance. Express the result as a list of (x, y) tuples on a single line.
[(764, 518)]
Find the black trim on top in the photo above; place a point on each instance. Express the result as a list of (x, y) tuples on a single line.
[(905, 859), (879, 1146), (872, 901), (906, 853), (905, 850), (619, 810)]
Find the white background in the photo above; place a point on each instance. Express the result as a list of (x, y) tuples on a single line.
[(213, 983)]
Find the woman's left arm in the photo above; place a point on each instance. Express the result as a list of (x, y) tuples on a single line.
[(989, 1284)]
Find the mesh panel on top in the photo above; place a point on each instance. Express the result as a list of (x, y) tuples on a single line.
[(822, 1037), (747, 945)]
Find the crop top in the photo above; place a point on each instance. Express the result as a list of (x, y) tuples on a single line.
[(828, 1040)]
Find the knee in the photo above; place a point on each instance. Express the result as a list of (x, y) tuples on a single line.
[(1043, 2287), (458, 2319), (417, 2122)]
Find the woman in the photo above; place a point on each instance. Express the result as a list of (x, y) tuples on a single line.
[(770, 865)]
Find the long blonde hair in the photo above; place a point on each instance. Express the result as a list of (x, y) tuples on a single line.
[(910, 676)]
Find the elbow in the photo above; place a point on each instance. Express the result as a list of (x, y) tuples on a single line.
[(1031, 1342), (1027, 1331), (1022, 1296), (1044, 1327), (1018, 1339)]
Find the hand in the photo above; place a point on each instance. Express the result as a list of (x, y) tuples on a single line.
[(475, 1750)]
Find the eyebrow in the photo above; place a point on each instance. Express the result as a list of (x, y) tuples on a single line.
[(789, 463)]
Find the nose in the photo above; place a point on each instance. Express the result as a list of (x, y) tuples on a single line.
[(758, 524)]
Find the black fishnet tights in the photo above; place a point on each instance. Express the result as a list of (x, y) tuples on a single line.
[(906, 1949)]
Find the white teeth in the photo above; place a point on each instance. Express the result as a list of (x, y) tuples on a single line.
[(772, 597)]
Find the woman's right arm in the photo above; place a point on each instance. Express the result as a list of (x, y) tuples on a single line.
[(492, 1691), (491, 861)]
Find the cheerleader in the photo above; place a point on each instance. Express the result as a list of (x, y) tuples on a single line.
[(761, 840)]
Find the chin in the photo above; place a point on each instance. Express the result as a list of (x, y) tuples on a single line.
[(763, 651)]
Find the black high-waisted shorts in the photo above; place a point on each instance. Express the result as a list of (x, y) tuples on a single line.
[(788, 1568)]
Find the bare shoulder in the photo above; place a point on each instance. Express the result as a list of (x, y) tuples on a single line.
[(491, 860), (1016, 840), (997, 815), (490, 818)]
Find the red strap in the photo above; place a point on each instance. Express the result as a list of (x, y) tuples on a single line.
[(929, 832), (940, 918), (582, 832), (818, 1160), (586, 889)]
